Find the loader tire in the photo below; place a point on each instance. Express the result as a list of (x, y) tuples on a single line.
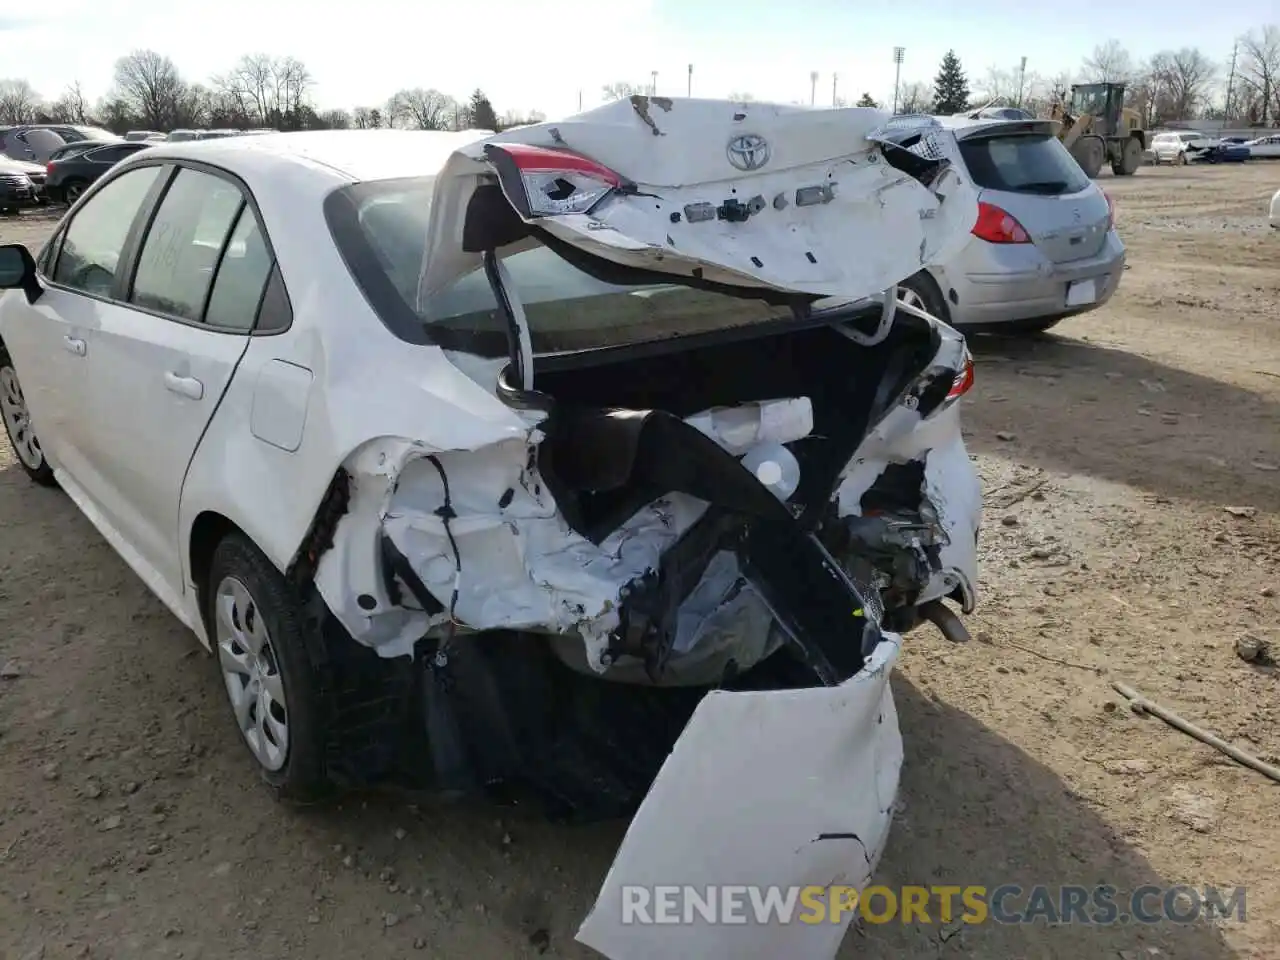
[(1090, 152)]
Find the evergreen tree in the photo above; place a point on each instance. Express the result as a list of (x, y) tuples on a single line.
[(483, 116), (866, 101), (950, 87)]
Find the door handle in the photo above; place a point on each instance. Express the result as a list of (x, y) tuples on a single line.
[(74, 345), (188, 387)]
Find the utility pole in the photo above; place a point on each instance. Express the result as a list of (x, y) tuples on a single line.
[(813, 87), (897, 74), (653, 91), (579, 100), (1022, 78), (689, 92), (1231, 82), (834, 78)]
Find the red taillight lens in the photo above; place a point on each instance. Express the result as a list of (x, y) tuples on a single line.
[(48, 168), (964, 379), (997, 226), (1111, 210), (554, 181)]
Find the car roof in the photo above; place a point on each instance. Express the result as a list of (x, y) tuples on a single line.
[(965, 126), (354, 155)]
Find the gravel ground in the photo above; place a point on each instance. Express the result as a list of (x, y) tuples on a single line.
[(131, 826)]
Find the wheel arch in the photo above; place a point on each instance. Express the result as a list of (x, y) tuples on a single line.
[(208, 530)]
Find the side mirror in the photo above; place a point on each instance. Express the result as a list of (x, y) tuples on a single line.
[(18, 271)]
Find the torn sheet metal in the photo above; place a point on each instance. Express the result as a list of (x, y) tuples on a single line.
[(821, 767), (818, 206)]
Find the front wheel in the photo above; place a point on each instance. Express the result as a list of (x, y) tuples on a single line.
[(1179, 159), (17, 425), (256, 624)]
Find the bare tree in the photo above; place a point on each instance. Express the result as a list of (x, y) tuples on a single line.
[(622, 90), (421, 109), (268, 91), (1184, 78), (149, 87), (366, 118), (915, 97), (71, 107), (1109, 63), (1260, 70), (335, 120), (19, 102)]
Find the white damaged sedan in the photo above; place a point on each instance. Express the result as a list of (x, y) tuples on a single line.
[(591, 461)]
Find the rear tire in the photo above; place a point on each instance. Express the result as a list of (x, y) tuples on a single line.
[(256, 624), (17, 425), (72, 189)]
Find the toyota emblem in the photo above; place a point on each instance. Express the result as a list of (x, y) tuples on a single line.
[(748, 151)]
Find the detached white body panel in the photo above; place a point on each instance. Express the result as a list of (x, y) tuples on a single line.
[(820, 768)]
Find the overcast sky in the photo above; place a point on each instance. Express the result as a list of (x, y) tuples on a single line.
[(538, 54)]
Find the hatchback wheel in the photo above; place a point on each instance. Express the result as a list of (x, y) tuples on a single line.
[(73, 190), (257, 628), (17, 424), (920, 291)]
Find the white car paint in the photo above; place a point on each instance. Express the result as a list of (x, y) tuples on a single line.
[(1275, 210), (1267, 147), (151, 425), (1179, 146)]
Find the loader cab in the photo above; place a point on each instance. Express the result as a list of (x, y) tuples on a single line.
[(1101, 101)]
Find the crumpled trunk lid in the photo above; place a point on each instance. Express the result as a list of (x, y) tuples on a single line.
[(837, 203)]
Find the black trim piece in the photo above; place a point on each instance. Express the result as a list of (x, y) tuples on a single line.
[(396, 564), (318, 539), (217, 267)]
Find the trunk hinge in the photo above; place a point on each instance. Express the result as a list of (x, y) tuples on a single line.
[(519, 341)]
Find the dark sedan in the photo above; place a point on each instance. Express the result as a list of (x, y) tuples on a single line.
[(71, 176)]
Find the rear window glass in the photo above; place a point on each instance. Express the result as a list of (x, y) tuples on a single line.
[(382, 235), (1024, 163)]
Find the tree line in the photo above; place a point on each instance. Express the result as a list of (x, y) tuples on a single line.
[(1183, 84), (148, 92)]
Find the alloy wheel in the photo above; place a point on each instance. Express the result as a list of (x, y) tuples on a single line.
[(17, 420), (251, 672), (912, 299)]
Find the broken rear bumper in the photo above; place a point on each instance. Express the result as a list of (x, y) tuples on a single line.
[(820, 766)]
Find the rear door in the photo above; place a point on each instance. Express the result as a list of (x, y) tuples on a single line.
[(162, 359), (1030, 175)]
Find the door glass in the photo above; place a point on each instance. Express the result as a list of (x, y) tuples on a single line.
[(181, 251), (241, 277), (96, 235)]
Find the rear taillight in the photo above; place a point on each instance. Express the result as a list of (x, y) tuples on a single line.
[(553, 182), (48, 168), (998, 226), (964, 379), (1111, 210)]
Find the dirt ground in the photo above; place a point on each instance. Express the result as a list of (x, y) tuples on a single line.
[(131, 825)]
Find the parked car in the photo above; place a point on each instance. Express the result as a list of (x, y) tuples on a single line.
[(1268, 147), (1044, 246), (35, 142), (1179, 146), (418, 435), (134, 135), (1224, 152), (17, 189), (80, 146), (71, 176)]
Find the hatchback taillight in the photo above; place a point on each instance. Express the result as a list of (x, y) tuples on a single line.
[(998, 226)]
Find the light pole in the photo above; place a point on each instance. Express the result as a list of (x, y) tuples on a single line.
[(897, 74), (1022, 78), (834, 79), (813, 87), (653, 91), (689, 92)]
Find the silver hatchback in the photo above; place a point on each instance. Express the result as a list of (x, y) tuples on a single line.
[(1044, 246)]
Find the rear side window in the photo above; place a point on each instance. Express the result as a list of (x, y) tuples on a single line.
[(96, 235), (1024, 163), (107, 154), (180, 253), (237, 291)]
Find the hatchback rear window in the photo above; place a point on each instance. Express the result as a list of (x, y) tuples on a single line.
[(1023, 163)]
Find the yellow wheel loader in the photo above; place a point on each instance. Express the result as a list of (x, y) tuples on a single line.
[(1097, 127)]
